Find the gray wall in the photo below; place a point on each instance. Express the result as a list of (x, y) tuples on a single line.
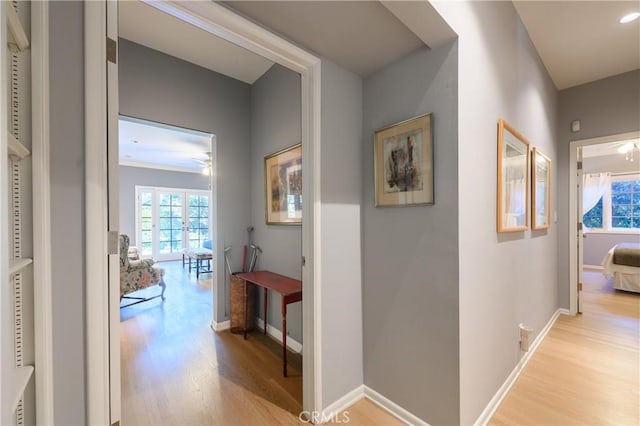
[(410, 254), (275, 125), (604, 107), (161, 88), (507, 278), (597, 245), (132, 176), (340, 221), (67, 210)]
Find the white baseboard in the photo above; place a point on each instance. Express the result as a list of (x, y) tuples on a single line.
[(593, 267), (499, 396), (219, 326), (342, 403), (393, 408), (292, 344)]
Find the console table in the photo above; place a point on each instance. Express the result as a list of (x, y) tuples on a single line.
[(288, 288)]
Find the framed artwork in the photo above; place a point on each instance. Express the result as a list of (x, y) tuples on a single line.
[(283, 187), (403, 163), (513, 179), (541, 190)]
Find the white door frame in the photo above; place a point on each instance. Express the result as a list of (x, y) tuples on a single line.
[(573, 208), (226, 24)]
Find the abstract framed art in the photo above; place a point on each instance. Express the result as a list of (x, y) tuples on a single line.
[(283, 187), (403, 163)]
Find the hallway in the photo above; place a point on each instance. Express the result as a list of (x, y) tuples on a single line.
[(587, 370)]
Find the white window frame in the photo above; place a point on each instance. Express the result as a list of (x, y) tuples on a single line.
[(607, 206)]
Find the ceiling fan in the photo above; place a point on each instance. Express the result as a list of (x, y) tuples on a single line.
[(206, 163)]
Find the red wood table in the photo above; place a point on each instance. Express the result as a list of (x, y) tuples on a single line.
[(288, 288)]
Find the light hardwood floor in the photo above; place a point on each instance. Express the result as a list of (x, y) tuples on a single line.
[(587, 370), (177, 371)]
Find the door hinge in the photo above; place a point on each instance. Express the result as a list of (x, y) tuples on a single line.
[(579, 226), (304, 261), (113, 243), (579, 165), (579, 286), (112, 50)]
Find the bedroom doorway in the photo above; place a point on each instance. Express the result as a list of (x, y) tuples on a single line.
[(603, 177)]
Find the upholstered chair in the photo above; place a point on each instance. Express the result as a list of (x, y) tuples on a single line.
[(137, 274)]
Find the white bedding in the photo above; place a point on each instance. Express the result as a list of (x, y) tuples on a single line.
[(624, 277)]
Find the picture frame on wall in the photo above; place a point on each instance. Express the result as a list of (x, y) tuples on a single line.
[(403, 163), (540, 190), (283, 187), (513, 180)]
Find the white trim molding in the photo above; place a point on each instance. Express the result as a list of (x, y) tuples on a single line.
[(503, 391), (42, 296), (342, 404), (220, 326), (573, 208), (292, 344), (593, 267), (96, 211), (393, 408)]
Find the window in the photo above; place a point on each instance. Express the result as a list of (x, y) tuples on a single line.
[(618, 208), (593, 219), (625, 204)]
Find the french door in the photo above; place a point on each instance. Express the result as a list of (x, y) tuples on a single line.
[(170, 220)]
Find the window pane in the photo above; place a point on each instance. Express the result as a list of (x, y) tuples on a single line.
[(621, 198), (204, 200), (204, 212), (146, 249), (636, 198), (146, 236), (176, 199), (176, 223), (621, 186), (165, 223), (593, 218), (164, 247), (145, 224), (621, 210), (165, 199), (145, 211), (621, 222), (145, 198), (165, 236), (636, 185), (193, 200)]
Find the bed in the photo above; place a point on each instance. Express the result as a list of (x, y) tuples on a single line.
[(623, 262)]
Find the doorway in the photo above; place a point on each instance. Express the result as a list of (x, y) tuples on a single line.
[(600, 164), (217, 20)]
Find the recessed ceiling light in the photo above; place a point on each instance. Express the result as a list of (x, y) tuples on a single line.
[(630, 17), (134, 141)]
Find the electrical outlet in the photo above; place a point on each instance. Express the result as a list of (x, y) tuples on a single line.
[(524, 337)]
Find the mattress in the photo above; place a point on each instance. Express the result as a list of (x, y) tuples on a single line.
[(627, 254)]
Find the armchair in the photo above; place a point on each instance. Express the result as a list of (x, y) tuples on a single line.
[(137, 274)]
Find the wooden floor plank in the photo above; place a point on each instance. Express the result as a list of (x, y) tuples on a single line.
[(587, 369)]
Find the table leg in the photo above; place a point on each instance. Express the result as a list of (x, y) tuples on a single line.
[(198, 261), (265, 310), (189, 265), (284, 338), (246, 314)]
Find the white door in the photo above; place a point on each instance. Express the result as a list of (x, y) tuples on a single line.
[(171, 225), (113, 200), (170, 220), (580, 232)]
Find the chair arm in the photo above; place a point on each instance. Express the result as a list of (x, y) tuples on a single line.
[(137, 265)]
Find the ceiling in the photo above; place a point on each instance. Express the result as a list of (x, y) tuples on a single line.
[(150, 27), (361, 36), (582, 41), (606, 149), (154, 145)]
